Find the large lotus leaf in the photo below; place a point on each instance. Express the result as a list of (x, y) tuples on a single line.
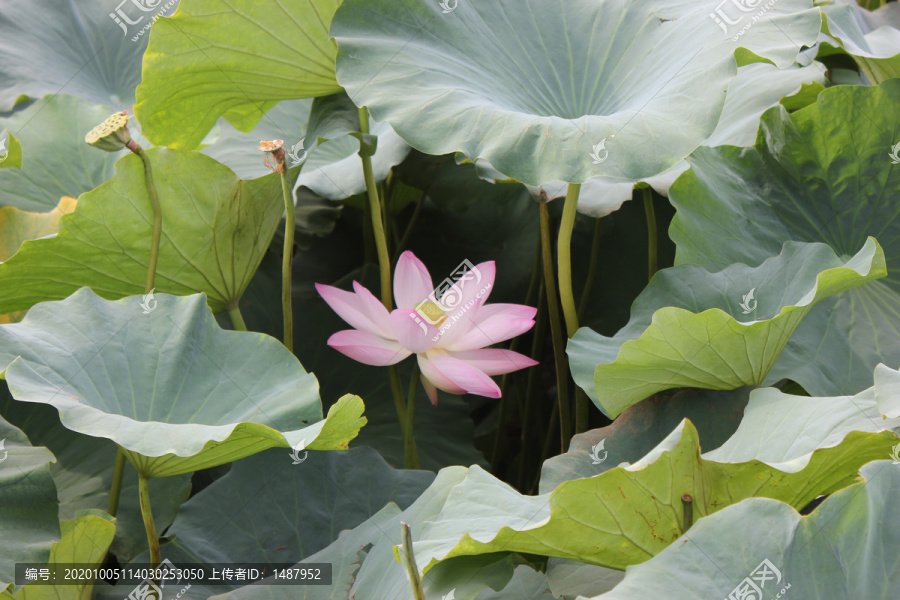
[(553, 81), (216, 228), (346, 555), (365, 568), (797, 183), (872, 38), (846, 549), (82, 48), (28, 523), (83, 542), (55, 160), (632, 512), (693, 328), (783, 430), (269, 510), (756, 88), (242, 57), (639, 429), (195, 396), (83, 476)]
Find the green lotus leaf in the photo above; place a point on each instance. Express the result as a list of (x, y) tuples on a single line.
[(215, 230), (10, 151), (632, 512), (554, 82), (693, 328), (845, 549), (267, 509), (797, 183), (83, 48), (28, 523), (346, 555), (55, 160), (243, 56), (872, 38), (756, 88), (365, 568), (84, 541), (83, 476), (716, 415), (195, 396)]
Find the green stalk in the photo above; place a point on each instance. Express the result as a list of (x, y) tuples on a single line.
[(409, 561), (651, 233), (592, 270), (157, 219), (559, 351), (384, 265), (116, 490), (237, 319), (287, 257), (384, 260), (564, 258), (119, 469), (410, 455), (149, 525)]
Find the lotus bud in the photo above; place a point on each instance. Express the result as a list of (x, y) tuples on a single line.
[(112, 134)]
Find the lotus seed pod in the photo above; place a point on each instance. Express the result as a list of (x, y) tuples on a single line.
[(112, 134), (271, 146)]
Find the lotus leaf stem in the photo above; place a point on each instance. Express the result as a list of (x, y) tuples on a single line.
[(559, 351), (384, 266), (652, 259), (237, 319), (409, 561), (564, 258), (116, 489), (287, 258), (149, 524)]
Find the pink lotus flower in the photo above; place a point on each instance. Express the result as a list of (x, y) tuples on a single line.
[(449, 344)]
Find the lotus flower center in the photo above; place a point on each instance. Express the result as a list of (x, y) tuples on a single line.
[(431, 312)]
